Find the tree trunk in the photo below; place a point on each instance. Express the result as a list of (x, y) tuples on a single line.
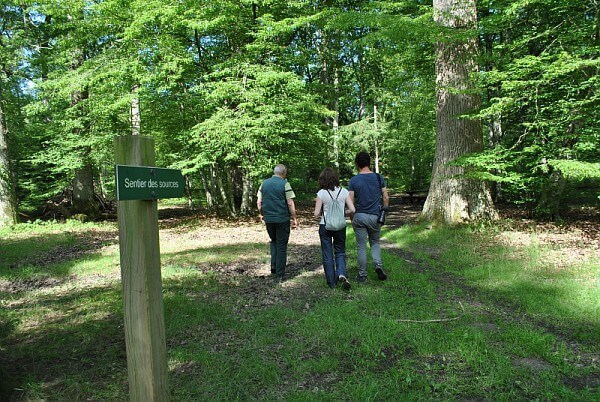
[(336, 120), (223, 192), (188, 191), (84, 201), (230, 188), (207, 191), (8, 204), (245, 206), (452, 198), (135, 114)]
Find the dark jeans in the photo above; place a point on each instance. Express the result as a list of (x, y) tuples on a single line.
[(333, 242), (280, 235)]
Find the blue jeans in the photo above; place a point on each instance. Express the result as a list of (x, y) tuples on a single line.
[(333, 242), (366, 227), (280, 235)]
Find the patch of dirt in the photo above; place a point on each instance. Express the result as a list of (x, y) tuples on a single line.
[(38, 282), (535, 365)]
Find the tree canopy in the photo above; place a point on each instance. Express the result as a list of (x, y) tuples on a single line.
[(230, 88)]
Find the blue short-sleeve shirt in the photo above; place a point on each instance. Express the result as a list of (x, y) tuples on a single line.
[(367, 192)]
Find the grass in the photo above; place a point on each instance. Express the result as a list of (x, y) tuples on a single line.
[(523, 321)]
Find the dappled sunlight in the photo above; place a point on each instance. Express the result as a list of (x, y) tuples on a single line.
[(553, 256), (299, 281), (408, 234), (209, 237), (220, 297)]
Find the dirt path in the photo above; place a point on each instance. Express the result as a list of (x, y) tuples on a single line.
[(577, 236)]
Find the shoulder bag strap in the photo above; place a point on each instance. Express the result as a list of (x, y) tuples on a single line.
[(380, 188)]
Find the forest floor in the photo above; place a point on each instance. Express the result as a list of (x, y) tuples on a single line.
[(579, 230), (578, 237)]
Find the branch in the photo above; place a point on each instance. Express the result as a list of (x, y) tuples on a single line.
[(438, 319)]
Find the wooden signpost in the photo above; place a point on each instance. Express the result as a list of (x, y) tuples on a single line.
[(139, 185)]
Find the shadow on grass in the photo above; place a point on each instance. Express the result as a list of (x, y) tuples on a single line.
[(472, 261), (252, 259), (548, 306), (72, 348), (33, 254), (35, 277), (14, 251), (234, 336)]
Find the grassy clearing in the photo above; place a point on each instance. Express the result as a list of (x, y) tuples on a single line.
[(523, 320), (536, 277)]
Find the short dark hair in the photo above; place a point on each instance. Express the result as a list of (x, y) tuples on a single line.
[(329, 179), (363, 159)]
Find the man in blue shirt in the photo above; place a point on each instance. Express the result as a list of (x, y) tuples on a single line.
[(276, 205), (366, 191)]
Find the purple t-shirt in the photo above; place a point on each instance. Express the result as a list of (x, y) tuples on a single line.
[(367, 192)]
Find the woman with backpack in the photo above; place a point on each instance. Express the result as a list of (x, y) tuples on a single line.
[(330, 203)]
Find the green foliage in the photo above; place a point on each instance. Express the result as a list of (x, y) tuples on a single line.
[(542, 82), (576, 170), (257, 117), (229, 86)]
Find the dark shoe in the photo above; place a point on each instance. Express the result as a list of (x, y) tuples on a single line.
[(345, 283), (361, 279), (380, 274), (278, 280)]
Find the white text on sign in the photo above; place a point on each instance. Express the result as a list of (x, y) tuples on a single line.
[(139, 183)]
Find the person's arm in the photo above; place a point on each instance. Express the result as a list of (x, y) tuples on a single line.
[(259, 202), (350, 210), (386, 197), (318, 206), (292, 208), (259, 206)]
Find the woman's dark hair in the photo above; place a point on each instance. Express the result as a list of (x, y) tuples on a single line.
[(329, 179), (362, 160)]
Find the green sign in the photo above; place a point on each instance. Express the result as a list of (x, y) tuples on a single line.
[(147, 183)]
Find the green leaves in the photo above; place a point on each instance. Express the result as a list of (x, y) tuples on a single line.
[(258, 114)]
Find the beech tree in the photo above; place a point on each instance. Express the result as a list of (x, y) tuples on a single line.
[(11, 34), (228, 88), (541, 79), (8, 207), (454, 198)]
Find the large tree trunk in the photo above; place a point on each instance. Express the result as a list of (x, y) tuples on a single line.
[(8, 204), (452, 198), (84, 200)]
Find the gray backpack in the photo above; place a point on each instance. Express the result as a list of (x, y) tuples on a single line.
[(335, 215)]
